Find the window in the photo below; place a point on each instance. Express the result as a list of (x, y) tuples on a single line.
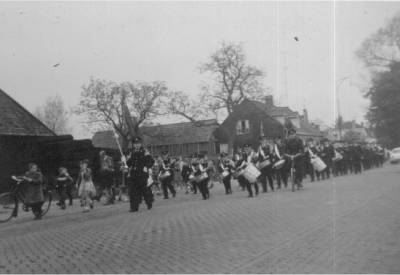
[(242, 127)]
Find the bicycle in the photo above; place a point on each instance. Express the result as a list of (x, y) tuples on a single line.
[(293, 171), (9, 201)]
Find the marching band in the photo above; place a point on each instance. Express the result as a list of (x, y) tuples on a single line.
[(273, 160)]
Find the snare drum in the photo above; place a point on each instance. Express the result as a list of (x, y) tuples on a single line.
[(201, 177), (279, 164), (318, 164), (225, 174), (264, 164), (164, 175), (251, 173)]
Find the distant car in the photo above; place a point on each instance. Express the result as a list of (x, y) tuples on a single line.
[(395, 155)]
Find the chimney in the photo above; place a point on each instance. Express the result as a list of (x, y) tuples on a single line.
[(353, 125), (269, 101), (305, 115)]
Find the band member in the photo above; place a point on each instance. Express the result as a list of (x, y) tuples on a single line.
[(33, 190), (64, 184), (185, 174), (265, 157), (202, 177), (193, 166), (327, 155), (86, 189), (139, 163), (167, 175), (310, 151), (225, 167), (281, 174), (248, 156), (294, 151), (106, 177)]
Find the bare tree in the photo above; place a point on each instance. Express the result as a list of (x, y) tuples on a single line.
[(103, 104), (382, 47), (233, 79), (54, 115), (181, 104)]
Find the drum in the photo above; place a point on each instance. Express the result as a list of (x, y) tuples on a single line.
[(225, 174), (264, 164), (318, 164), (279, 164), (251, 173), (201, 177), (164, 175), (337, 157)]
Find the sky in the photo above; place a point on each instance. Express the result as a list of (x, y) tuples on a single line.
[(167, 41)]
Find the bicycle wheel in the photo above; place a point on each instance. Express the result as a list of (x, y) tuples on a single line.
[(8, 203), (48, 196)]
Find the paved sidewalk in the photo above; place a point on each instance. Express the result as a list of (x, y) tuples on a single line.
[(348, 224)]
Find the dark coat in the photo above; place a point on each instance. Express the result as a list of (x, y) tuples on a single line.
[(34, 190)]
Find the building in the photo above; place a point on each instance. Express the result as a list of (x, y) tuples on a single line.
[(179, 139), (248, 121), (25, 139), (251, 118)]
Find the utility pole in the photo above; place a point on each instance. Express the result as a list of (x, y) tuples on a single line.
[(339, 118)]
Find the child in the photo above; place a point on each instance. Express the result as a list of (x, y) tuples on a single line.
[(34, 190), (86, 189), (64, 184)]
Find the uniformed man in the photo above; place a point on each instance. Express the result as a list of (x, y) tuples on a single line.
[(310, 151), (248, 156), (266, 156), (327, 155), (139, 163), (294, 150), (167, 175), (225, 168), (282, 173)]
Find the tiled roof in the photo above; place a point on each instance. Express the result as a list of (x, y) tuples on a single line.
[(177, 133), (16, 120), (274, 111)]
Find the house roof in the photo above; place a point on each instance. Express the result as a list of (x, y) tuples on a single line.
[(176, 133), (273, 110), (305, 127), (16, 120)]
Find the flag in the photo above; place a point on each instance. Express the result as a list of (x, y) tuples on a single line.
[(130, 121)]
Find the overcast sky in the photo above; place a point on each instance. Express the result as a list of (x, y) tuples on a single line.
[(129, 41)]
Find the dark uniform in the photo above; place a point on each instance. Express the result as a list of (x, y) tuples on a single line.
[(185, 173), (226, 165), (245, 159), (281, 174), (326, 155), (138, 164), (309, 152), (166, 182), (267, 172)]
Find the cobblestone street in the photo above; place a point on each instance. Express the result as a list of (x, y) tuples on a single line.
[(348, 224)]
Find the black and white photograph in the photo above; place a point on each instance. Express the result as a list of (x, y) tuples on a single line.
[(200, 137)]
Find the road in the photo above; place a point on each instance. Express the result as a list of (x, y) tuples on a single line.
[(348, 224)]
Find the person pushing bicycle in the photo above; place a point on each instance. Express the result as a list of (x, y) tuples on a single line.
[(294, 150)]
